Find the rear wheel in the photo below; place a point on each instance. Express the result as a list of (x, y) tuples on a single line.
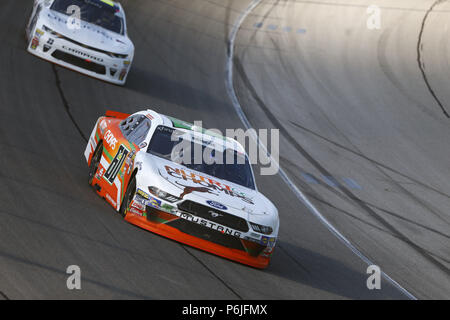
[(128, 197), (95, 161)]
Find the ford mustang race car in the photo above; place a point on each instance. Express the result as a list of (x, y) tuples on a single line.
[(143, 165), (88, 36)]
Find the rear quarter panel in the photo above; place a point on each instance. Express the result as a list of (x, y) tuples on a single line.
[(117, 161)]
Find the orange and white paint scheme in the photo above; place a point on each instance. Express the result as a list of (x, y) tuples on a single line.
[(212, 206)]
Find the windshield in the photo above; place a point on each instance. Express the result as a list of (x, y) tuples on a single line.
[(96, 12), (225, 164)]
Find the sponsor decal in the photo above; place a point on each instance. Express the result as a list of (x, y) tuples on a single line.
[(137, 205), (147, 199), (116, 164), (267, 252), (208, 183), (100, 173), (252, 238), (129, 160), (155, 203), (143, 194), (83, 54), (216, 205), (268, 241), (133, 210), (140, 199), (208, 224), (93, 142), (102, 126), (126, 168), (167, 207), (34, 43), (36, 38), (110, 199), (110, 139), (187, 190), (143, 145), (83, 26)]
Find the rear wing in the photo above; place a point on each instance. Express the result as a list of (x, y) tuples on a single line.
[(116, 114)]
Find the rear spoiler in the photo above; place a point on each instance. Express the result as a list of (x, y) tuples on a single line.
[(116, 114)]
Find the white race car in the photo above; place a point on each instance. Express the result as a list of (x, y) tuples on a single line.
[(88, 36), (146, 166)]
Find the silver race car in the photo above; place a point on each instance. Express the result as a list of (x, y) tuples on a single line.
[(88, 36)]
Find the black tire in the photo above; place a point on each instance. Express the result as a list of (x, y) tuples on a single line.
[(129, 194), (95, 161), (32, 23)]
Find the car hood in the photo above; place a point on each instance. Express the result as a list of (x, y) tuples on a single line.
[(199, 187), (88, 34)]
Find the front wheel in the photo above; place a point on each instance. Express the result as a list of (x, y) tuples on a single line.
[(95, 161), (128, 197)]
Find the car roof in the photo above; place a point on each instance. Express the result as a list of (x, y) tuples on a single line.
[(111, 3), (114, 4), (188, 127)]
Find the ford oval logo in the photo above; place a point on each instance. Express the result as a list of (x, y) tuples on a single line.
[(216, 205)]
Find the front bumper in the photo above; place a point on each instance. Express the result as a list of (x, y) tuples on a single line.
[(200, 237), (75, 57)]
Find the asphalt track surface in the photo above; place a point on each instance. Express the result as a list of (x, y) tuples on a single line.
[(364, 127)]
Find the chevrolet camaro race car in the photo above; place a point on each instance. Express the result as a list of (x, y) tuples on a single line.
[(88, 36), (137, 165)]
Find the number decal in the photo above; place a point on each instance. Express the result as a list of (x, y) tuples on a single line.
[(116, 164)]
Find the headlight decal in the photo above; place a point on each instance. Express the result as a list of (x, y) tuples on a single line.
[(260, 228), (163, 195)]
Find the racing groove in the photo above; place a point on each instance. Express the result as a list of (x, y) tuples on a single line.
[(342, 119)]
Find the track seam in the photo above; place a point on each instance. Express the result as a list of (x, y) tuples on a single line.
[(2, 294), (236, 104), (66, 106), (212, 272), (65, 102), (351, 196), (420, 61)]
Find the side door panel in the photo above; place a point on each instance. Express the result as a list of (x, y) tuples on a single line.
[(33, 19), (118, 159)]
